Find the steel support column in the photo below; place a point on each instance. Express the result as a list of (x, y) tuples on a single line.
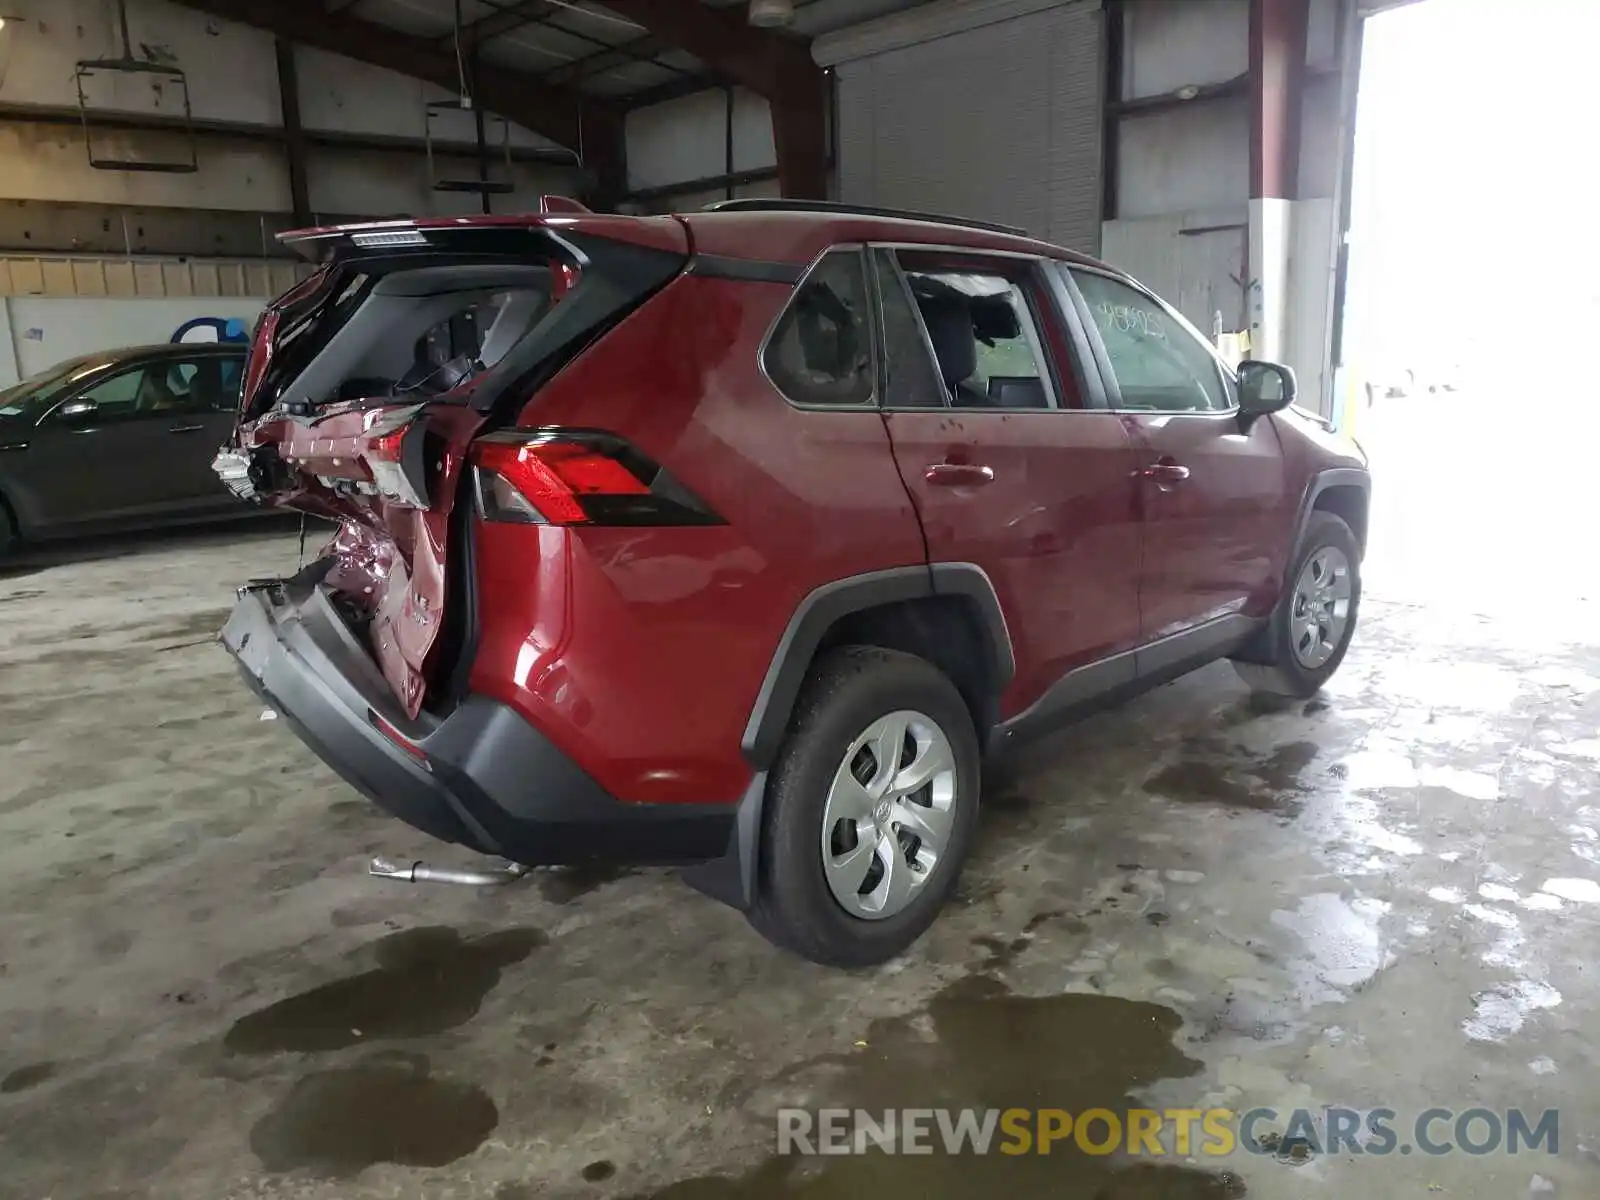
[(800, 137), (771, 65), (1277, 93), (294, 134), (1277, 87)]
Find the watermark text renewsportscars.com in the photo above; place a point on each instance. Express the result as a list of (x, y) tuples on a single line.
[(1169, 1132)]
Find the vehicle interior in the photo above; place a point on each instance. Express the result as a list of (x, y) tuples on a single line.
[(424, 332)]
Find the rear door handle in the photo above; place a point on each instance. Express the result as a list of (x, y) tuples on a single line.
[(186, 429), (1165, 471), (958, 474)]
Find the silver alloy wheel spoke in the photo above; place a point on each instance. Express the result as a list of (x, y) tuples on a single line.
[(927, 821), (932, 759), (889, 814), (1320, 607), (888, 748), (850, 869)]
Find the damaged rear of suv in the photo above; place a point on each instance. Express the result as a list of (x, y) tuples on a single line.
[(381, 394), (736, 539)]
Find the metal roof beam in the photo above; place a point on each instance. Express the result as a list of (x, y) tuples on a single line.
[(563, 116), (766, 63)]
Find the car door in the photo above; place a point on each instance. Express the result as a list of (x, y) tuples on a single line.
[(1008, 465), (106, 451), (205, 392), (1212, 489)]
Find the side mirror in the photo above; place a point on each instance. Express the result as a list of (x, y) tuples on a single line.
[(1264, 387), (77, 412)]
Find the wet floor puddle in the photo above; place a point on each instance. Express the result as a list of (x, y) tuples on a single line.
[(990, 1048), (427, 981), (1237, 780), (338, 1122), (30, 1076)]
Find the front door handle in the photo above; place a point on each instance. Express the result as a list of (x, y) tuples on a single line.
[(186, 429), (1165, 471), (947, 474)]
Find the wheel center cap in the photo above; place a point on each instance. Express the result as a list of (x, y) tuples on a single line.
[(880, 811)]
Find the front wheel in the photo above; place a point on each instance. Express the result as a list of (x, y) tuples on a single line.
[(10, 540), (870, 811), (1316, 618)]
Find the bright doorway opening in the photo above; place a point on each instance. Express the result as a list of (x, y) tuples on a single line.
[(1472, 317)]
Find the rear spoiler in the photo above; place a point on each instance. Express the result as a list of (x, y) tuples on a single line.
[(491, 234)]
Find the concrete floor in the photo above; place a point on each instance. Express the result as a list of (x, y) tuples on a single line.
[(1385, 897)]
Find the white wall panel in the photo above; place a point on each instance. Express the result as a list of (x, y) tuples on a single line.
[(1195, 261), (345, 96), (1196, 157), (1169, 45), (752, 132), (49, 163), (46, 331), (1310, 287), (1319, 137), (231, 69), (1322, 35), (375, 183), (676, 141), (686, 138)]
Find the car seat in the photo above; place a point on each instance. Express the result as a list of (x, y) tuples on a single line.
[(955, 346)]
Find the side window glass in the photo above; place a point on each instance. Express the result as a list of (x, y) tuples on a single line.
[(910, 379), (115, 398), (820, 352), (984, 338), (232, 380), (183, 386), (1160, 366)]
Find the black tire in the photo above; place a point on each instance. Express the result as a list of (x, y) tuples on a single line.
[(10, 539), (1277, 672), (845, 693)]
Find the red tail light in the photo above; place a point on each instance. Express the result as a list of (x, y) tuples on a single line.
[(394, 455), (577, 477)]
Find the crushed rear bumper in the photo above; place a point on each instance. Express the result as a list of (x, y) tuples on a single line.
[(481, 776)]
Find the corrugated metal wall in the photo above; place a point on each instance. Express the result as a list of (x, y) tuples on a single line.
[(955, 123), (140, 278)]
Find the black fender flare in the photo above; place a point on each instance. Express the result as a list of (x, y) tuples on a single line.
[(732, 878), (826, 605), (1320, 482)]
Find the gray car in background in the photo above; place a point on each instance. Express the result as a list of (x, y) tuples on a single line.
[(117, 440)]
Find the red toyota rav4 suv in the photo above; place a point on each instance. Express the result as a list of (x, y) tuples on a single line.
[(738, 538)]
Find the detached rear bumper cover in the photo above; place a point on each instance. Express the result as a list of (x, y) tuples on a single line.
[(482, 775)]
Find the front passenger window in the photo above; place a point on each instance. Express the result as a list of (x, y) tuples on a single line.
[(115, 398), (1160, 366), (820, 352)]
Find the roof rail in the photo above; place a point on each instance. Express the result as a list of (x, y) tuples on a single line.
[(759, 204)]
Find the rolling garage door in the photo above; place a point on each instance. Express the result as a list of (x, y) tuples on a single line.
[(982, 108)]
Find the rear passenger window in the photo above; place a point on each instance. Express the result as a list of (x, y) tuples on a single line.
[(820, 353), (983, 332)]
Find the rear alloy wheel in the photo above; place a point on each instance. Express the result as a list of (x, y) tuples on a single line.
[(889, 814), (870, 810), (1314, 621)]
